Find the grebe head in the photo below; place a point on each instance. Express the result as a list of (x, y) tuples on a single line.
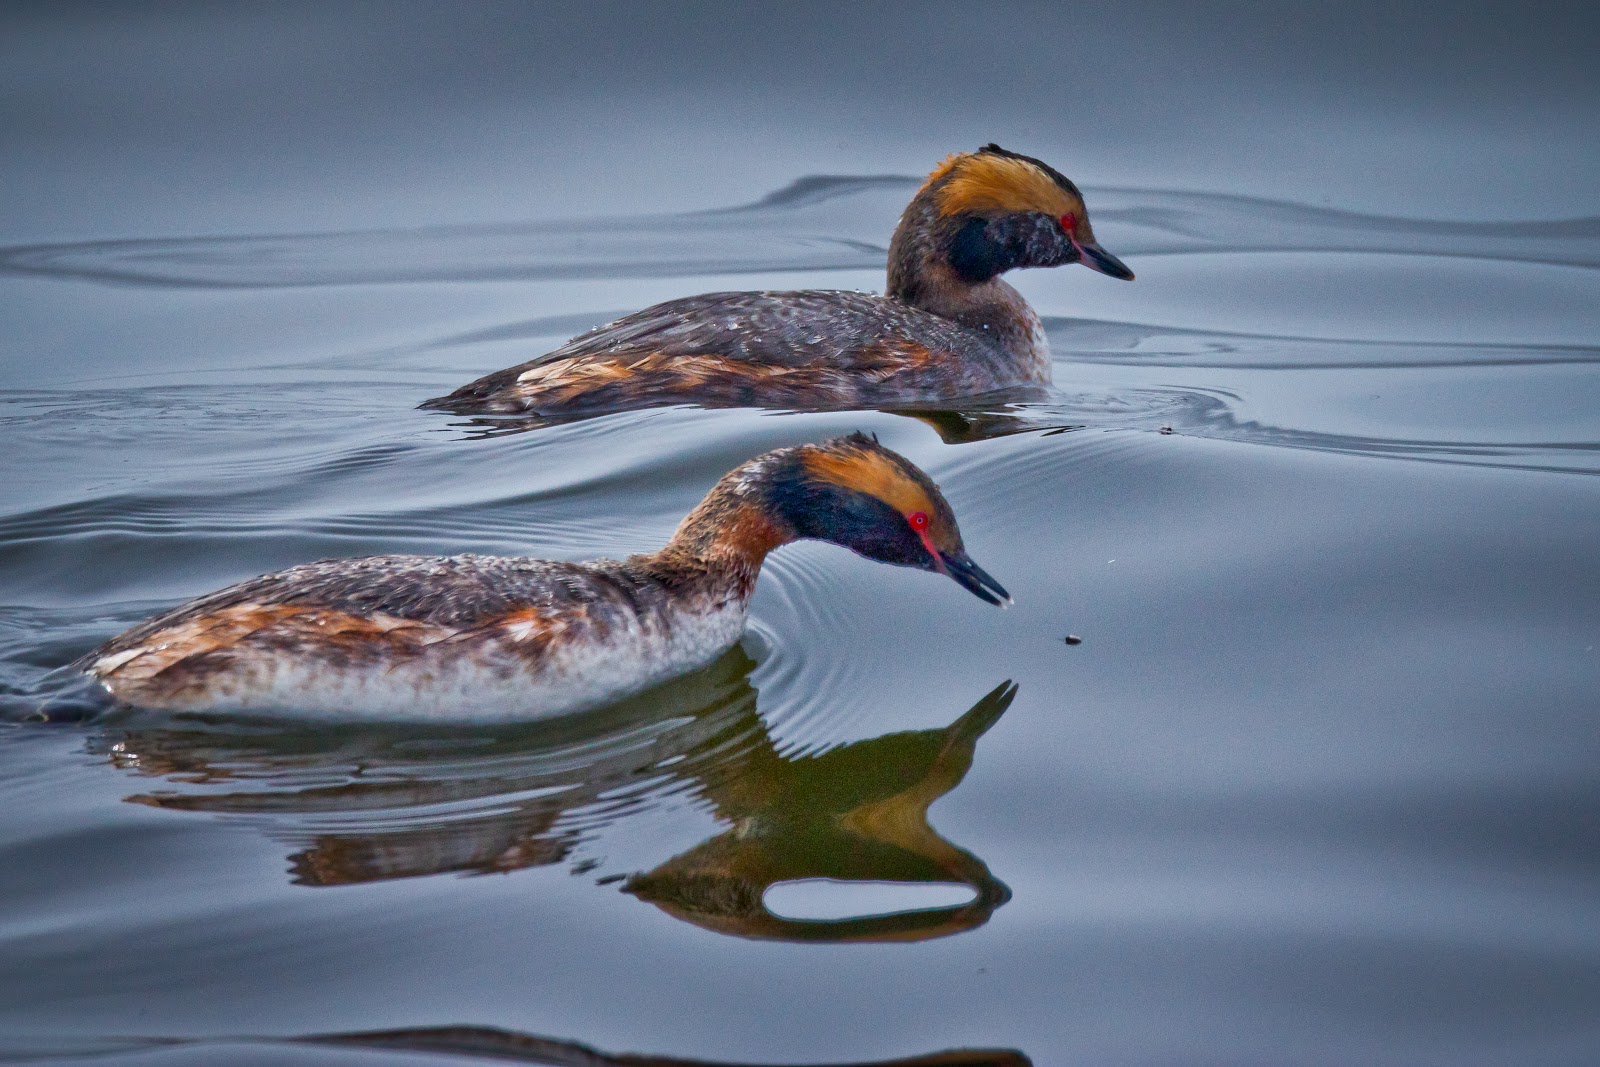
[(990, 211), (854, 492)]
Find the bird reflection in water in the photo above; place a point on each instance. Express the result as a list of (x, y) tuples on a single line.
[(475, 1043), (370, 804), (984, 419)]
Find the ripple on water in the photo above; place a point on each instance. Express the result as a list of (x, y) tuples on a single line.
[(818, 223), (1403, 299), (1215, 783), (812, 685), (1437, 398)]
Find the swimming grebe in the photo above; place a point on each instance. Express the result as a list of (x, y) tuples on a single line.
[(946, 327), (489, 637)]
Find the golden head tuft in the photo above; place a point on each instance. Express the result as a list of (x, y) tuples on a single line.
[(993, 182), (871, 469)]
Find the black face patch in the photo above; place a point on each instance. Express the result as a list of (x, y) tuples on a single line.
[(982, 248), (974, 255), (855, 520)]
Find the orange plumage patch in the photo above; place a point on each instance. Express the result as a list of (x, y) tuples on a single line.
[(943, 168), (565, 380), (988, 183), (633, 377), (229, 627), (532, 627), (749, 533), (874, 474)]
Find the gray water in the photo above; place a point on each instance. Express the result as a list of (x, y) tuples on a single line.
[(1317, 493)]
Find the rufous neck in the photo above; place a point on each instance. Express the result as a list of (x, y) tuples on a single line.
[(728, 532)]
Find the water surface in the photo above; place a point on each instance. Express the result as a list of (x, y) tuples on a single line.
[(1318, 785)]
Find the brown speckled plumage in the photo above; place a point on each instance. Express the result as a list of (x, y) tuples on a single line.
[(947, 326), (392, 634), (368, 612)]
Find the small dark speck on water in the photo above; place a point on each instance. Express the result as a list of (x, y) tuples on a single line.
[(610, 878), (1166, 430), (1073, 639)]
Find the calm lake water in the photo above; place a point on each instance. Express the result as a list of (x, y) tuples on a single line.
[(1320, 784)]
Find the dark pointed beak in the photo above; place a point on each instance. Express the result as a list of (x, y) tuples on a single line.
[(1096, 258), (971, 577)]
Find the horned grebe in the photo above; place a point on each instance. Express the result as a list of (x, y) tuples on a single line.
[(946, 327), (490, 637)]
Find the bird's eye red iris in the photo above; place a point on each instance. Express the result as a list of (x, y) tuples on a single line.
[(918, 520), (1069, 224)]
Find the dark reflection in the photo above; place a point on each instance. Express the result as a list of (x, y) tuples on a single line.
[(962, 427), (981, 421), (855, 813), (453, 1044), (486, 1043), (371, 804)]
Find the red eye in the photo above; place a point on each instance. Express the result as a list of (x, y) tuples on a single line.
[(1069, 223), (918, 520)]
